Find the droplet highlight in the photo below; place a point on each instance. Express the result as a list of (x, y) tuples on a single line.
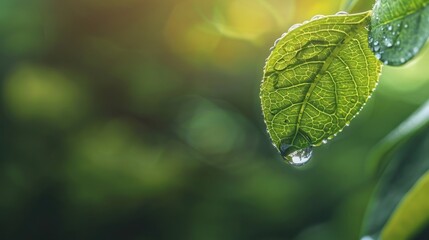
[(342, 13), (295, 26), (317, 17), (295, 156), (299, 157), (388, 42), (378, 56)]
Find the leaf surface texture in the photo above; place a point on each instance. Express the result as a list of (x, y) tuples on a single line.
[(316, 79), (399, 29)]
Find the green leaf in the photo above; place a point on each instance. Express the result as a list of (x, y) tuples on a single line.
[(316, 79), (399, 29), (412, 214), (382, 153), (397, 195)]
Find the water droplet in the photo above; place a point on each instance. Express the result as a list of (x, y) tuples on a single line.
[(325, 141), (294, 27), (415, 50), (389, 27), (402, 60), (370, 39), (375, 43), (378, 56), (294, 155), (405, 25), (376, 48), (399, 24), (388, 42), (317, 17), (342, 13), (347, 124), (299, 157), (398, 43)]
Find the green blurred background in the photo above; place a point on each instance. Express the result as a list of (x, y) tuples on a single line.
[(139, 119)]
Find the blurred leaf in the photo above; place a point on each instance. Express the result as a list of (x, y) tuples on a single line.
[(316, 79), (399, 29), (355, 6), (411, 214), (409, 128), (348, 5), (406, 165)]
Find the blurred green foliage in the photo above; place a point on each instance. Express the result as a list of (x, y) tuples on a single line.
[(133, 119), (398, 208)]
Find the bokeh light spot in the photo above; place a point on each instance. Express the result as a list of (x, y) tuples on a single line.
[(43, 94)]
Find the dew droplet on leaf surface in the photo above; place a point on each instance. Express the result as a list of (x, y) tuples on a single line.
[(341, 13), (388, 42), (317, 17), (294, 27), (378, 55)]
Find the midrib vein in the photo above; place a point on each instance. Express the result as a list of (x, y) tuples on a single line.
[(320, 73)]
